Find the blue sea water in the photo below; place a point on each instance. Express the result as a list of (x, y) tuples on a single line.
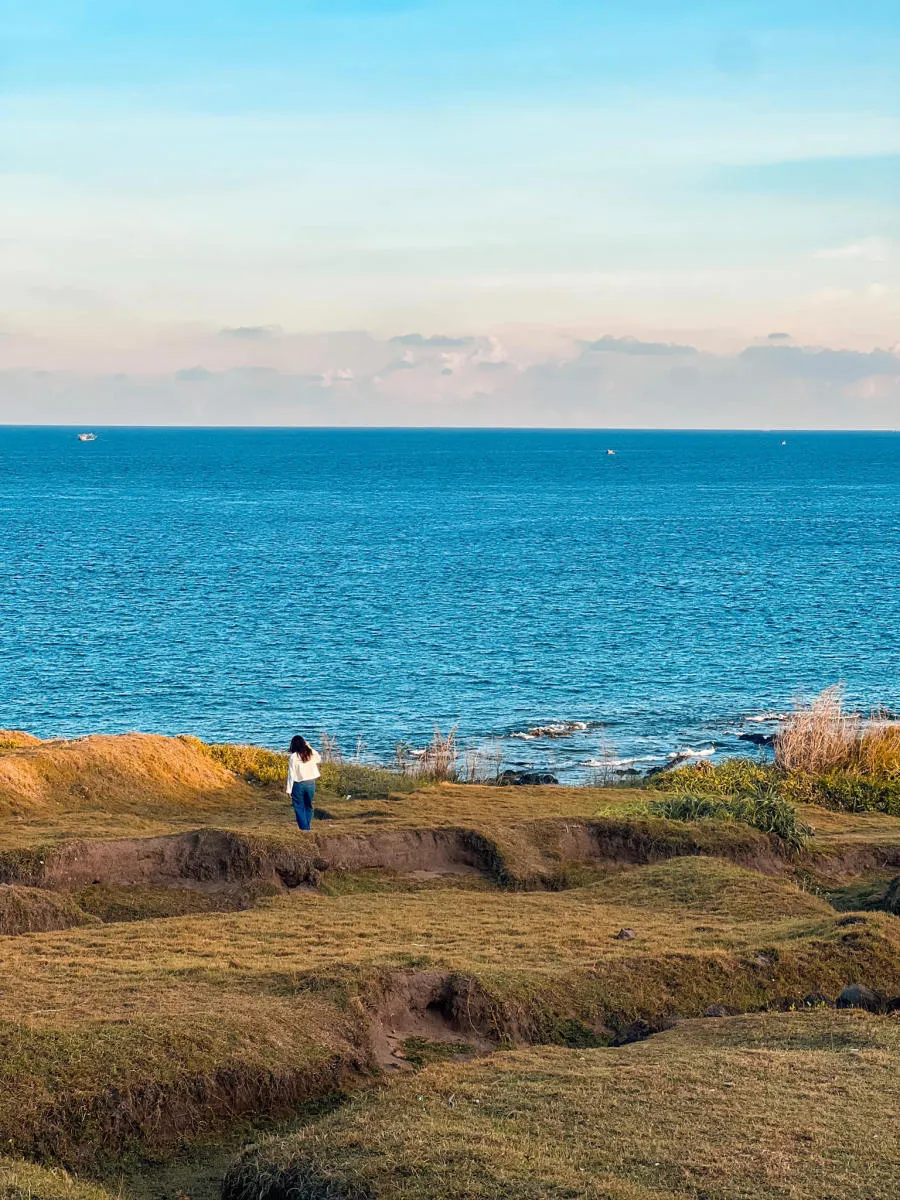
[(245, 584)]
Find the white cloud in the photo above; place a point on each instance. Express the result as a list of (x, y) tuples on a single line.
[(873, 249), (353, 379)]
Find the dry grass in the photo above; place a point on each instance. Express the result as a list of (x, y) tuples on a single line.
[(127, 777), (438, 762), (822, 737), (31, 910), (122, 1038), (140, 786), (16, 739), (761, 1107), (20, 1180)]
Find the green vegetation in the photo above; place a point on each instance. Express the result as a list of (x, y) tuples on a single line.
[(823, 756), (422, 1052), (269, 768), (767, 812), (839, 789), (764, 1107)]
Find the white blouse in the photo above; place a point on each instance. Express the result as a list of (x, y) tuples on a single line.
[(302, 772)]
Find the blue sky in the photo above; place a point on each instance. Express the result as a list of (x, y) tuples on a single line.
[(542, 173)]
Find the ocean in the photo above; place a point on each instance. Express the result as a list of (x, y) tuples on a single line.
[(243, 585)]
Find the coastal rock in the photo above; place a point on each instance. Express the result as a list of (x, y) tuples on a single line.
[(857, 996), (525, 779), (715, 1010), (758, 739), (625, 935)]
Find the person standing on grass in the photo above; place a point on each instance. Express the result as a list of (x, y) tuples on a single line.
[(303, 771)]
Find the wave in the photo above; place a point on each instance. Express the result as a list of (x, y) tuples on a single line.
[(689, 752), (765, 717), (621, 762)]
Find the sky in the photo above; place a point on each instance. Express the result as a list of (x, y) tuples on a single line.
[(389, 212)]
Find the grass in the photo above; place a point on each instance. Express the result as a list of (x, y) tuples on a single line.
[(141, 786), (268, 768), (823, 756), (822, 737), (763, 1107), (21, 1180), (32, 910), (126, 1039), (768, 813)]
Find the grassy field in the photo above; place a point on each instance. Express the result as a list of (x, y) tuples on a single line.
[(763, 1107), (173, 1010), (144, 1037)]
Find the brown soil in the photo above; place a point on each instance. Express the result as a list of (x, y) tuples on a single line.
[(420, 1004), (213, 859)]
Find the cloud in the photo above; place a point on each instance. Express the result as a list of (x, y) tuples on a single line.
[(250, 333), (355, 380), (817, 362), (873, 249), (193, 375), (438, 341), (779, 337), (630, 345)]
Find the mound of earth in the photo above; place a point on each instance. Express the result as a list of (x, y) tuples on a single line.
[(762, 1106), (131, 773), (16, 739), (32, 910), (712, 886)]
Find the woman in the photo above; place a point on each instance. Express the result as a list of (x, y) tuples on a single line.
[(303, 771)]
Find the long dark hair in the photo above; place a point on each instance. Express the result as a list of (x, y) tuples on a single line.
[(299, 745)]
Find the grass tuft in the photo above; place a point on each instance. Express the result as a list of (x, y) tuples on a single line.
[(768, 813)]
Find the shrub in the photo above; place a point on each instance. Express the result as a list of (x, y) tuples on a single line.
[(733, 776), (766, 811), (362, 780), (845, 791)]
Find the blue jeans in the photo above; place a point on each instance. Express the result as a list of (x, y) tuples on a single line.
[(302, 794)]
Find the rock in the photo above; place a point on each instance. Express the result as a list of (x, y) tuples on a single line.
[(625, 935), (638, 1031), (857, 996), (525, 779), (758, 739), (815, 1000), (893, 1005), (892, 897), (715, 1010)]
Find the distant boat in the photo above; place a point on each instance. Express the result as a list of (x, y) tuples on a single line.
[(87, 437), (784, 443), (610, 452)]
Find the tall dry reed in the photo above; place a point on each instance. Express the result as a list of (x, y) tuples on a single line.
[(822, 736), (438, 760)]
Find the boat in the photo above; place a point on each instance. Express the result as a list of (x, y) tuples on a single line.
[(610, 452), (87, 437)]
